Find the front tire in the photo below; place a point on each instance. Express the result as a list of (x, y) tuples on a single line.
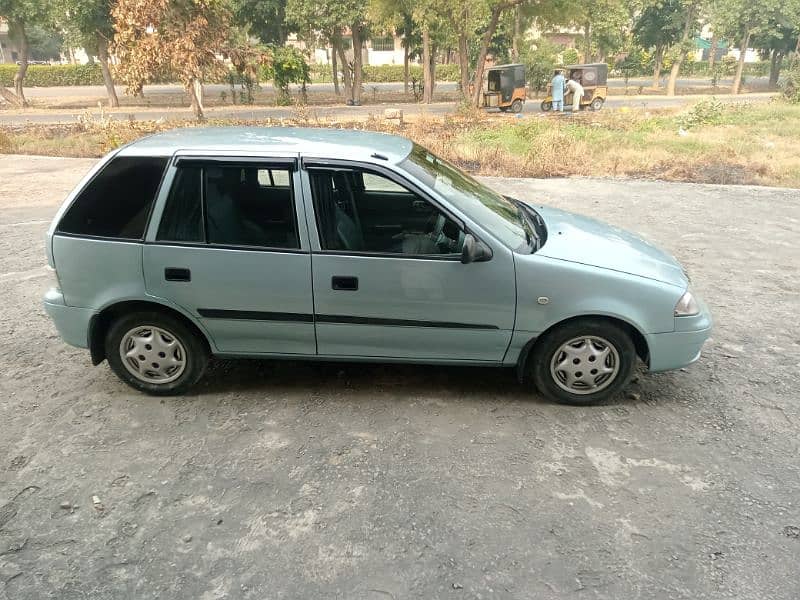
[(155, 353), (583, 362), (546, 106)]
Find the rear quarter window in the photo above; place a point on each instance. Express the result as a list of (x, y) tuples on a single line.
[(116, 202)]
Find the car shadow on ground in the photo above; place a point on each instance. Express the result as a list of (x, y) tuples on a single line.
[(279, 377)]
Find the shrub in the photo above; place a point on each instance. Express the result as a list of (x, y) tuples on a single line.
[(705, 112), (790, 85), (288, 66)]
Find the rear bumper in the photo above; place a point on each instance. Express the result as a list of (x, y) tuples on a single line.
[(71, 322)]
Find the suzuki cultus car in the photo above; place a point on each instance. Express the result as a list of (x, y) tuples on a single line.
[(348, 245)]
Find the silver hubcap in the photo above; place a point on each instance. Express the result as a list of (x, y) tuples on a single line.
[(585, 365), (152, 354)]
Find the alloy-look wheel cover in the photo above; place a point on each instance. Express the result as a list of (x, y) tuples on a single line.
[(152, 354), (585, 365)]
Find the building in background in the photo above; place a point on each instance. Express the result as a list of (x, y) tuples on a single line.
[(379, 50)]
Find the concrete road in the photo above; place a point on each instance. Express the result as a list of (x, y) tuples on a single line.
[(339, 481), (339, 112)]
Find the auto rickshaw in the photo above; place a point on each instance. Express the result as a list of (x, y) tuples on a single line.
[(592, 77), (505, 88)]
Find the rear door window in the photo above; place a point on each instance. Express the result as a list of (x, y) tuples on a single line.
[(116, 202), (231, 205)]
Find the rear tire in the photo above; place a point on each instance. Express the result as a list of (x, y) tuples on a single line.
[(546, 106), (155, 353), (583, 362), (596, 104), (516, 106)]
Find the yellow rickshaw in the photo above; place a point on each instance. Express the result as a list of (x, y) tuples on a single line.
[(505, 88), (592, 77)]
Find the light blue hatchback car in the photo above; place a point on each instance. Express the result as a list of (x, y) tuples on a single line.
[(356, 246)]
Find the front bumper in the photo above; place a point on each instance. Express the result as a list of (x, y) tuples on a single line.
[(681, 347), (71, 322)]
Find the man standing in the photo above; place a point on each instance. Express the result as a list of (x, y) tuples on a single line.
[(557, 91), (577, 93)]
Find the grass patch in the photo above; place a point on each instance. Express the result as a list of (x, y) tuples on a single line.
[(706, 143)]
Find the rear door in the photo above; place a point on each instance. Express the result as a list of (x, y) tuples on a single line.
[(228, 243)]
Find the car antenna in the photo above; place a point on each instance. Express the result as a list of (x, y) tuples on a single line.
[(380, 156)]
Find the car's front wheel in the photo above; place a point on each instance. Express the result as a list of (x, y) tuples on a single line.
[(155, 353), (583, 362)]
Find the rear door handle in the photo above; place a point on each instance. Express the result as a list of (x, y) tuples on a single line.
[(349, 284), (177, 274)]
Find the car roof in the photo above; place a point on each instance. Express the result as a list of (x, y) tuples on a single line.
[(311, 141)]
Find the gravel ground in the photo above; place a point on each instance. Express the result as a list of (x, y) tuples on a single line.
[(289, 480)]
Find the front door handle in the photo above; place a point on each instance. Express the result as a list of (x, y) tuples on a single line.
[(177, 274), (348, 284)]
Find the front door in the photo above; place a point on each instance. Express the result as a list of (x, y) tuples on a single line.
[(230, 246), (388, 280)]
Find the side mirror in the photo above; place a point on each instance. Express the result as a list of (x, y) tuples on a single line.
[(474, 250)]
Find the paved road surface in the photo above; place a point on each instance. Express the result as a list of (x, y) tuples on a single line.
[(213, 90), (357, 482), (340, 112)]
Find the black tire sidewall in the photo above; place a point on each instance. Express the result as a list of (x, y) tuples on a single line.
[(546, 106), (516, 106), (552, 341), (196, 352)]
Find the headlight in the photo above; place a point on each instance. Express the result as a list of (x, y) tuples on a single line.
[(687, 306)]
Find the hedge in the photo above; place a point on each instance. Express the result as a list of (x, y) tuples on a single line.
[(64, 75), (53, 75), (390, 73)]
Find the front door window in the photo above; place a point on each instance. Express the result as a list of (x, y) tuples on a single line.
[(365, 212)]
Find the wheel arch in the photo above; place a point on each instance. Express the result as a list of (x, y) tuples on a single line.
[(638, 338), (100, 322)]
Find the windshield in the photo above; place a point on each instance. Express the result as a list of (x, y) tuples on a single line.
[(501, 216)]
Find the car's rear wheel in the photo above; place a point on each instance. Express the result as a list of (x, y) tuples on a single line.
[(583, 362), (155, 353)]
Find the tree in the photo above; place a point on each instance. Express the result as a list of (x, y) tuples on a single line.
[(20, 15), (496, 9), (88, 25), (182, 37), (264, 19), (689, 10), (779, 38), (658, 27), (743, 20), (328, 21)]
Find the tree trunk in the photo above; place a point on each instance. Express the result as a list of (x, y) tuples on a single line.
[(195, 90), (405, 66), (19, 77), (358, 72), (737, 78), (427, 76), (477, 80), (712, 57), (776, 61), (587, 43), (463, 63), (348, 82), (102, 56), (335, 68), (659, 61), (676, 66), (517, 34)]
